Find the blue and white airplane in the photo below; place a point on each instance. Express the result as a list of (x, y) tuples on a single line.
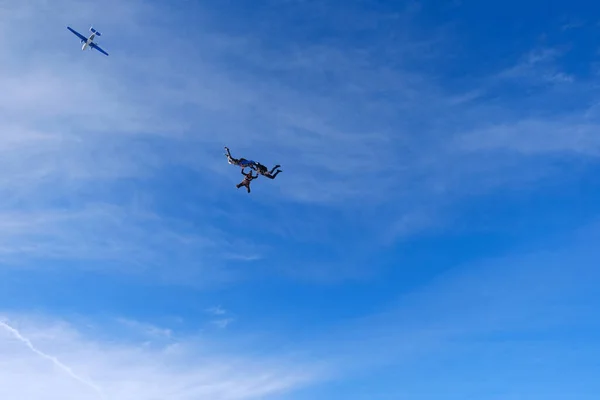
[(88, 42)]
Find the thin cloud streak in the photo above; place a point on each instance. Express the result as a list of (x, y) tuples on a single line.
[(125, 368), (54, 360), (513, 296)]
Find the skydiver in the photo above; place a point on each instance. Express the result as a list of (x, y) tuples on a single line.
[(261, 169), (240, 162), (248, 177)]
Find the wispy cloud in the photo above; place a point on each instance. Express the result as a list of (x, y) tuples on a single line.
[(54, 360), (221, 320), (351, 125), (147, 329), (179, 370), (574, 136), (502, 312), (217, 310), (539, 66), (573, 24), (118, 236), (222, 323)]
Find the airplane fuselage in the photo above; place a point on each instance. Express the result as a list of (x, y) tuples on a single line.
[(88, 41)]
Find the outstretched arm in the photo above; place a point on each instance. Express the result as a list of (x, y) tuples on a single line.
[(243, 171)]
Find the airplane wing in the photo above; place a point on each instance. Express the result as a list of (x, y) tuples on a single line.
[(95, 46), (77, 34)]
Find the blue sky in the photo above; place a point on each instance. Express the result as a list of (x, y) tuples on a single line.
[(432, 235)]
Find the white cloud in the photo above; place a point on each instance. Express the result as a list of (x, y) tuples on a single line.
[(217, 310), (537, 136), (538, 65), (178, 371), (524, 301), (120, 236), (222, 323), (14, 332), (354, 129), (528, 294), (147, 329)]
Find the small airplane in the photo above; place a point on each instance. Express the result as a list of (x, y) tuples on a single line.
[(88, 42)]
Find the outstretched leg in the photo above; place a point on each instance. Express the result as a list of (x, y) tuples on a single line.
[(272, 176), (274, 168), (239, 185), (230, 159)]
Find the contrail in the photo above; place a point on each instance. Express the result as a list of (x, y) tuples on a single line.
[(60, 365)]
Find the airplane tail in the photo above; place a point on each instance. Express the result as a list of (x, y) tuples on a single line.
[(95, 31)]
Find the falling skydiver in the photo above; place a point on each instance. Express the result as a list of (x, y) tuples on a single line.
[(240, 162), (248, 177), (261, 169)]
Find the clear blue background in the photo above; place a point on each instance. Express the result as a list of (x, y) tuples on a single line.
[(433, 232)]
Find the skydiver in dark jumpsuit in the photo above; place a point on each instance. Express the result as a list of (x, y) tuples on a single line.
[(248, 177), (261, 169)]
